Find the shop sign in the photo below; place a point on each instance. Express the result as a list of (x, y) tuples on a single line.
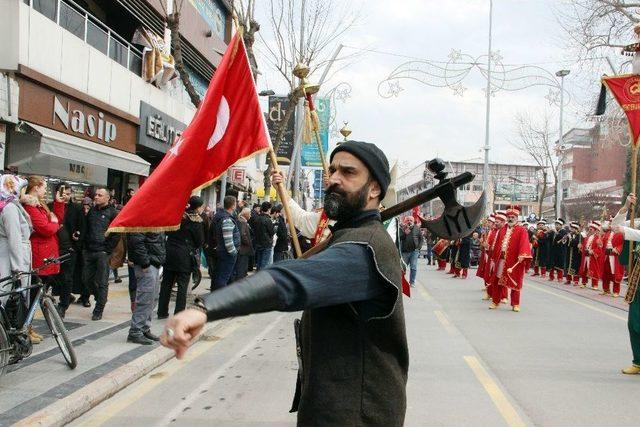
[(88, 124), (517, 192), (214, 14), (238, 175), (157, 129), (58, 111)]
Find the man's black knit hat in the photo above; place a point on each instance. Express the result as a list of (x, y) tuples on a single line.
[(371, 156), (194, 203)]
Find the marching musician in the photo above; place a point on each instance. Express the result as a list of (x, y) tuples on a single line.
[(483, 262), (612, 270), (557, 250), (592, 254), (574, 256), (511, 254)]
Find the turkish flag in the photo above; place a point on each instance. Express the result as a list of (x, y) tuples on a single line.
[(626, 90), (227, 127)]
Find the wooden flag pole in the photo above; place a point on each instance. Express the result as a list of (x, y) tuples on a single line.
[(282, 192), (634, 173)]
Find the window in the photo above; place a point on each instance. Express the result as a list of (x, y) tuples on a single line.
[(97, 37), (118, 52), (135, 63), (71, 20), (45, 7)]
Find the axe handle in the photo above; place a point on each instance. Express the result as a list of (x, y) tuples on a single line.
[(406, 205)]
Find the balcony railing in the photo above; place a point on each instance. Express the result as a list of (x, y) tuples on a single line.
[(87, 27)]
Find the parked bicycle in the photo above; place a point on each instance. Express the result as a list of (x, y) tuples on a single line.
[(16, 318)]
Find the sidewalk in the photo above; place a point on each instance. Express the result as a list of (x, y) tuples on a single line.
[(43, 378), (588, 292)]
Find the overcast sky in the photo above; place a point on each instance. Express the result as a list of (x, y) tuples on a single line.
[(422, 121)]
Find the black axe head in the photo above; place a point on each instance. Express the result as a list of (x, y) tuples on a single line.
[(456, 221)]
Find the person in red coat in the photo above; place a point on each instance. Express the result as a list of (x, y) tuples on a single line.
[(44, 239), (592, 256), (612, 270), (511, 256)]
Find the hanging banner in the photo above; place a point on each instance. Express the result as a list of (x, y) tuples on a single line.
[(310, 154), (278, 106), (626, 90)]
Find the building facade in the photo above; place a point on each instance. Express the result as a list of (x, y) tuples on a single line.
[(82, 97), (593, 170)]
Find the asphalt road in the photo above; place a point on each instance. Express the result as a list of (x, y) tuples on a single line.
[(556, 363)]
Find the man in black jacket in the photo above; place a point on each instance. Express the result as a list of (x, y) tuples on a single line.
[(263, 242), (183, 248), (98, 248), (68, 243), (147, 253), (410, 244), (281, 248)]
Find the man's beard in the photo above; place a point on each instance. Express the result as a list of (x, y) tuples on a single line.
[(512, 222), (341, 206)]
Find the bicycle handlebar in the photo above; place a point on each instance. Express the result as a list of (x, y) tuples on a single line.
[(45, 263)]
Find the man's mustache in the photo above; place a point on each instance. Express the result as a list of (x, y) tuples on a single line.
[(335, 190)]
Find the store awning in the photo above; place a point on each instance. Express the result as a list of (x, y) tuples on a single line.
[(65, 146)]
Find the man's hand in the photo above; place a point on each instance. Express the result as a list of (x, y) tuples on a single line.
[(277, 177), (59, 198), (631, 200), (616, 229), (510, 270), (181, 329)]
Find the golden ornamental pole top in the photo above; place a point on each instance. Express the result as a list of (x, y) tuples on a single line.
[(345, 132)]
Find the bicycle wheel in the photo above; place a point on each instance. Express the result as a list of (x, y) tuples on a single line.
[(59, 332), (5, 350)]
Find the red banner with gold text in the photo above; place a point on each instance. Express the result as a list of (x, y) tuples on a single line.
[(626, 90)]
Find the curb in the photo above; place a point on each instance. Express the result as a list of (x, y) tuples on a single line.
[(77, 403)]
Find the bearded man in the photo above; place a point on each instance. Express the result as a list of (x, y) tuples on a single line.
[(511, 256), (353, 340)]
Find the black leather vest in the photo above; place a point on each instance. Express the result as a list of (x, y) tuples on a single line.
[(355, 356)]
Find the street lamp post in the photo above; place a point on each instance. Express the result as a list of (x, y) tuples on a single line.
[(485, 169), (562, 74)]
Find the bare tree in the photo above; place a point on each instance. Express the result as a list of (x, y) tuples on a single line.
[(592, 205), (246, 20), (535, 138), (288, 44), (595, 26), (173, 24)]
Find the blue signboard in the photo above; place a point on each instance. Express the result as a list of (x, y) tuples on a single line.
[(214, 14), (310, 154)]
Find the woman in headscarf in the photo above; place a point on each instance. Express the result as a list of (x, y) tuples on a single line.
[(15, 229)]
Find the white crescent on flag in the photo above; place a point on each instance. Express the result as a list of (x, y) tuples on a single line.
[(222, 121)]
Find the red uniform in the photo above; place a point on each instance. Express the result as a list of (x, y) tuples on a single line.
[(592, 259), (512, 251), (612, 270), (488, 268), (482, 261)]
